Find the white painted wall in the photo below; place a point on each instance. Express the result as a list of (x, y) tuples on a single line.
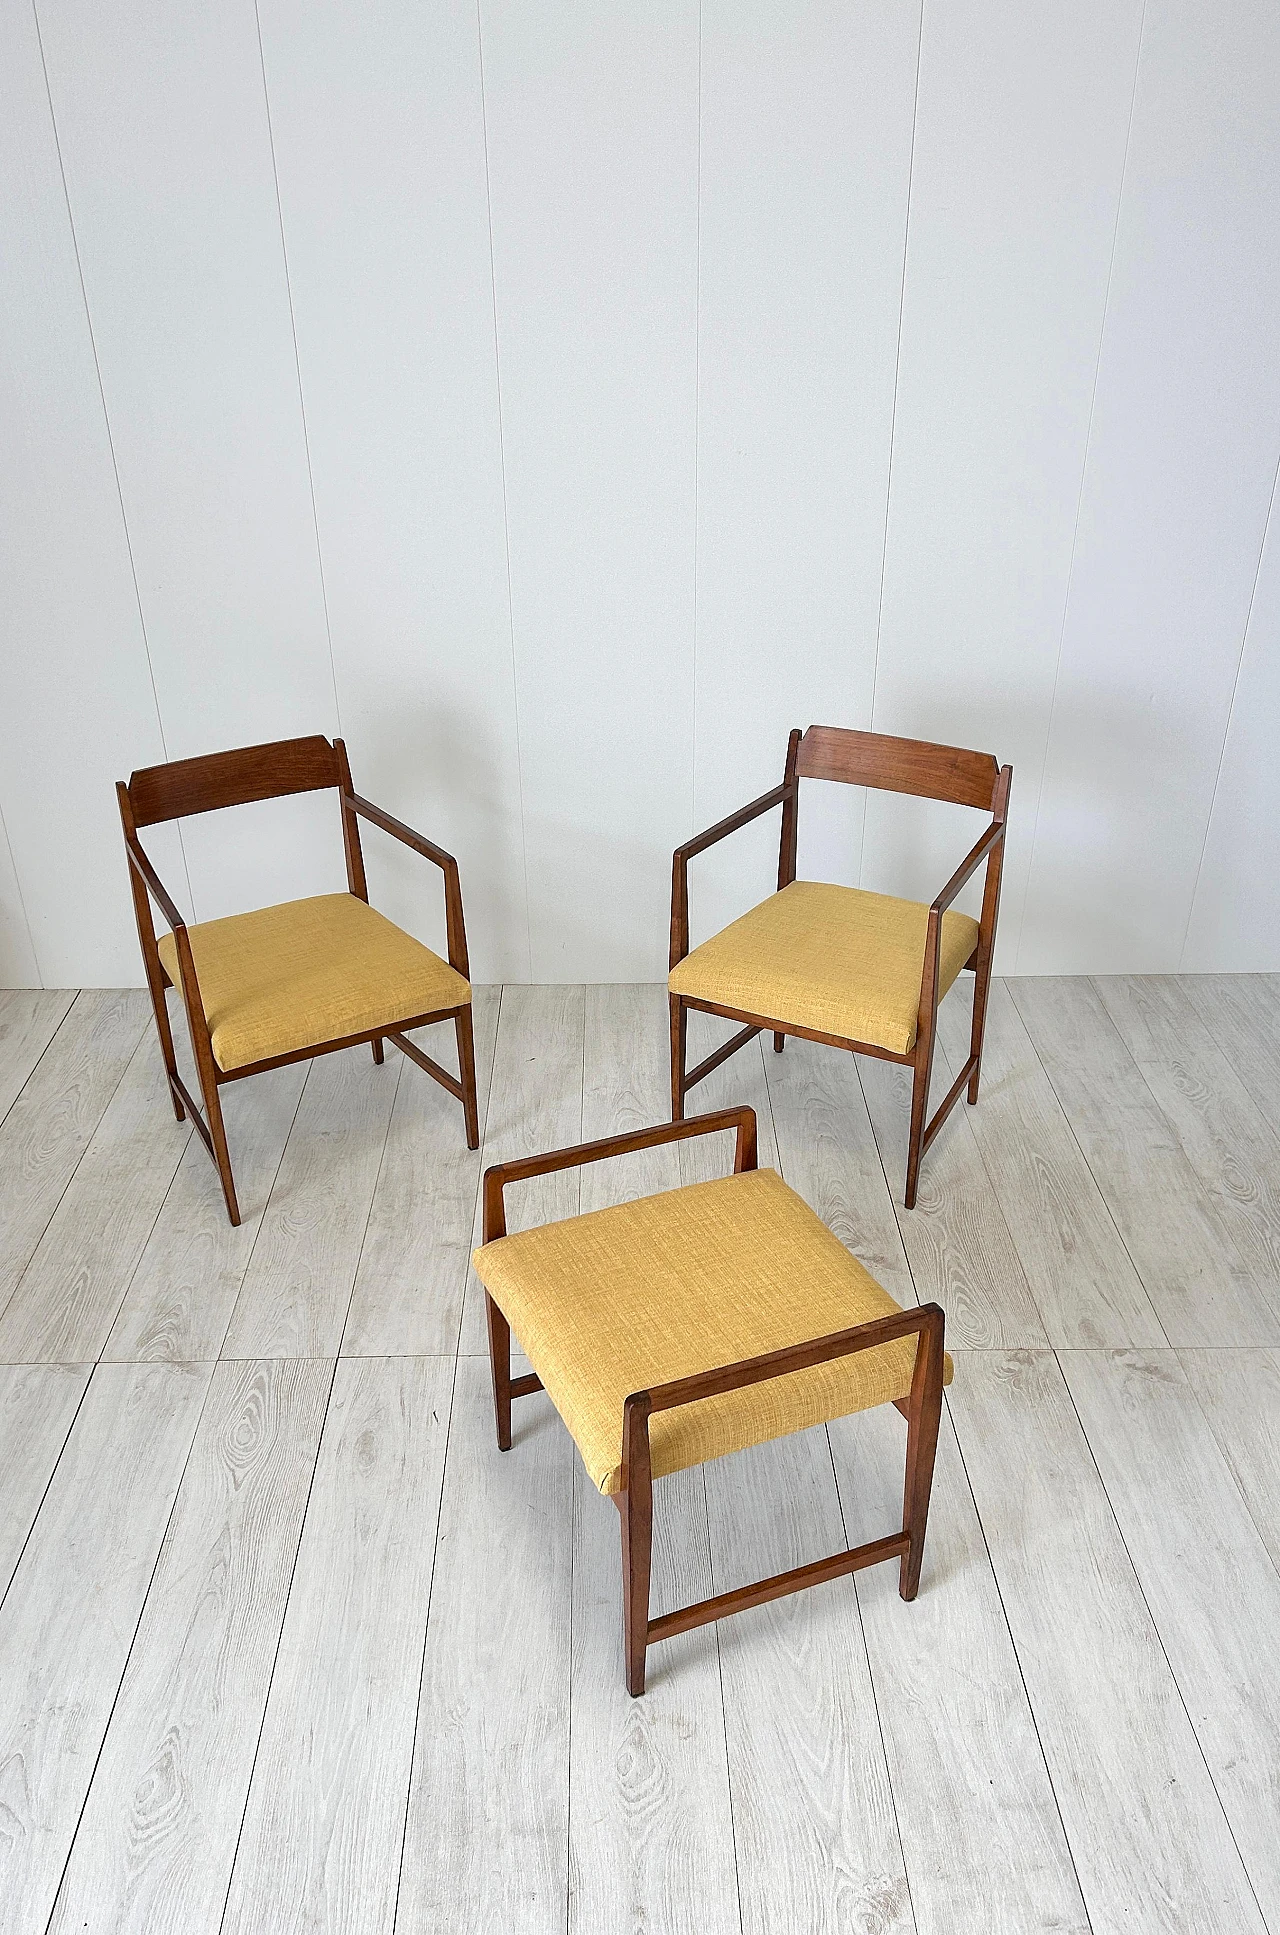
[(564, 400)]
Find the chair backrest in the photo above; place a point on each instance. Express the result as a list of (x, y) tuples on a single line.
[(898, 765), (186, 786)]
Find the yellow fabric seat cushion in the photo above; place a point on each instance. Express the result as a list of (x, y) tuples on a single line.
[(623, 1299), (307, 972), (835, 959)]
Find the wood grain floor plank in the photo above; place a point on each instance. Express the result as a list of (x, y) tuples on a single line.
[(650, 1828), (294, 1297), (956, 1238), (68, 1297), (829, 1155), (1240, 1010), (69, 1618), (181, 1296), (817, 1840), (409, 1288), (1202, 1292), (320, 1847), (50, 1125), (29, 1020), (535, 1105), (1078, 1270), (1195, 1550), (983, 1840), (37, 1405), (155, 1843), (1151, 1845), (1239, 1393), (487, 1832), (1230, 1142)]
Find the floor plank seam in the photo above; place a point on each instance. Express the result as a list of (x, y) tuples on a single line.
[(39, 1058), (275, 1656), (1164, 1651), (1022, 1677), (373, 1197), (53, 1471)]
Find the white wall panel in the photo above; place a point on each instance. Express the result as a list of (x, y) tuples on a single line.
[(76, 707), (1181, 463), (379, 139), (1235, 917), (1020, 139), (806, 144), (163, 130), (592, 140), (18, 965)]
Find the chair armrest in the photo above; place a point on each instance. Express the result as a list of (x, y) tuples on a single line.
[(680, 859), (455, 926), (151, 879), (522, 1168), (399, 831), (969, 865), (926, 1320)]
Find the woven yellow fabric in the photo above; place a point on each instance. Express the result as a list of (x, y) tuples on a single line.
[(308, 972), (623, 1299), (835, 959)]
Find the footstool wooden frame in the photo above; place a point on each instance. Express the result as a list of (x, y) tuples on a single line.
[(922, 1409)]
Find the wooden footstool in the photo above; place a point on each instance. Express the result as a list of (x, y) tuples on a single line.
[(677, 1328)]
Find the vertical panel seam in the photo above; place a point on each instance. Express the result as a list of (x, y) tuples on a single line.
[(106, 421), (1226, 732), (502, 468), (297, 365), (22, 904), (1084, 472), (893, 409)]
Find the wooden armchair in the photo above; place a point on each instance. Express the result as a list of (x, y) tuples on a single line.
[(681, 1327), (861, 971), (285, 983)]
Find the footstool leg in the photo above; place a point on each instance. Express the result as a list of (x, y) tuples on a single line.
[(500, 1365), (635, 1503)]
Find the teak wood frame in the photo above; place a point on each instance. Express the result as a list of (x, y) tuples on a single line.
[(890, 765), (922, 1410), (188, 786)]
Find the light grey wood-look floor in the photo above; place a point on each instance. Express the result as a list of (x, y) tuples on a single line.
[(286, 1644)]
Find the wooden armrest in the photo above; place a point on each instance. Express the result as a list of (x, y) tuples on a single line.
[(495, 1179), (976, 854), (723, 828), (399, 831), (927, 1320), (151, 879)]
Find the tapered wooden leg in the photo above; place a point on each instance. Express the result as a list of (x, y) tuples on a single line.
[(924, 1415), (679, 1035), (160, 1008), (221, 1154), (376, 1045), (981, 989), (500, 1366), (467, 1075), (635, 1502), (779, 1043), (919, 1105)]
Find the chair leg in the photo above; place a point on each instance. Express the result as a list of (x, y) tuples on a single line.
[(500, 1366), (160, 1009), (221, 1154), (919, 1106), (467, 1075), (779, 1043), (679, 1038), (377, 1049), (636, 1507), (981, 989), (924, 1416)]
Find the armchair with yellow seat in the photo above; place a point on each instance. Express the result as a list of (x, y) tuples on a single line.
[(285, 983), (858, 970)]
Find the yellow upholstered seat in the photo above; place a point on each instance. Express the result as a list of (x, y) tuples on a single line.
[(835, 959), (308, 972), (624, 1299)]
